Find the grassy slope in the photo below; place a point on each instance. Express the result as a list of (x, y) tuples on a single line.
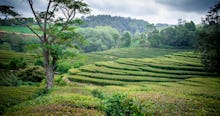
[(10, 96), (17, 29), (114, 54), (194, 95), (6, 56)]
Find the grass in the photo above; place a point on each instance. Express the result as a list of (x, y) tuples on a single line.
[(17, 29)]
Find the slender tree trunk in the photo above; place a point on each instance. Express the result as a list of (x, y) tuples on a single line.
[(49, 69)]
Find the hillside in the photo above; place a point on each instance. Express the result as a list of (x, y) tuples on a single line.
[(122, 24), (171, 83)]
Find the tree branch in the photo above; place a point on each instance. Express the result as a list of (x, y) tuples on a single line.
[(35, 15), (34, 32), (45, 21)]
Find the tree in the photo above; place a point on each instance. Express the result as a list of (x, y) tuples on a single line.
[(57, 32), (125, 40), (208, 43), (8, 11)]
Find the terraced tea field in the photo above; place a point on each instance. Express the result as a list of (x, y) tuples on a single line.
[(7, 56), (169, 68), (173, 83)]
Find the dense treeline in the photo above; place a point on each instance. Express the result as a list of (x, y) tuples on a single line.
[(180, 36), (99, 38), (208, 40), (120, 23)]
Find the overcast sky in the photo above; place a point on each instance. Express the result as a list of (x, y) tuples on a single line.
[(153, 11)]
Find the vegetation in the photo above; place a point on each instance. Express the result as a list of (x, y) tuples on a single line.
[(121, 24), (209, 40), (181, 36), (125, 67), (56, 32), (99, 38), (14, 95)]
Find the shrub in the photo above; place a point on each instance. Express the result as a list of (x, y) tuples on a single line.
[(31, 73), (120, 105), (39, 62), (97, 93), (78, 64), (63, 67), (59, 81), (17, 63)]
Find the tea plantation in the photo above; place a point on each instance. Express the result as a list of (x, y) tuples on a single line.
[(169, 83)]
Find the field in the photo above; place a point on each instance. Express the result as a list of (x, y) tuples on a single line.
[(7, 56), (164, 83), (16, 29)]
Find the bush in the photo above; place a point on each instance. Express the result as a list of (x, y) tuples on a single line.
[(17, 63), (97, 93), (120, 105), (63, 67), (59, 81), (39, 62), (31, 73), (78, 64)]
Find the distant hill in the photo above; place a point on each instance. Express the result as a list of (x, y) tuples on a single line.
[(122, 24)]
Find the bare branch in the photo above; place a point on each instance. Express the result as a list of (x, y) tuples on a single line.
[(63, 13), (34, 32), (45, 21), (35, 15)]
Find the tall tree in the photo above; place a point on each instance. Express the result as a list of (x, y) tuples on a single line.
[(56, 31), (7, 10), (209, 40)]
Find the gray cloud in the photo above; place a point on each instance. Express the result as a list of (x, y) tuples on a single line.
[(154, 11), (140, 7), (22, 7), (199, 6)]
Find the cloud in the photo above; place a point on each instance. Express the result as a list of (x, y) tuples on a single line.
[(123, 6), (153, 11), (22, 7), (199, 6)]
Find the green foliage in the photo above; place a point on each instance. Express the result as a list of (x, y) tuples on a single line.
[(78, 64), (99, 38), (7, 56), (16, 42), (5, 46), (17, 63), (59, 80), (120, 105), (97, 93), (31, 73), (14, 95), (63, 67), (208, 41), (39, 62), (7, 11), (181, 36), (125, 40), (9, 79), (120, 23)]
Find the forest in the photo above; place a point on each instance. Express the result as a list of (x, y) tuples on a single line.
[(55, 63)]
